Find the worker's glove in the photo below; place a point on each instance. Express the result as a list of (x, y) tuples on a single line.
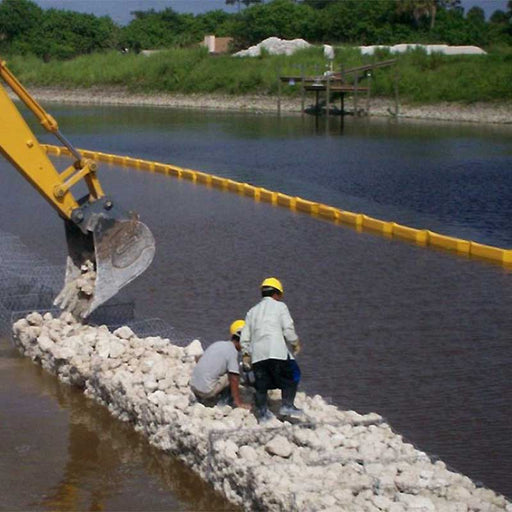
[(296, 348), (246, 362)]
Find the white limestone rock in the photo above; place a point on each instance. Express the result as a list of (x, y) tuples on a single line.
[(182, 380), (146, 382), (117, 349), (194, 349), (381, 502), (103, 347), (416, 503), (125, 333), (150, 384), (279, 446), (46, 343), (248, 453), (231, 450), (35, 319), (67, 318)]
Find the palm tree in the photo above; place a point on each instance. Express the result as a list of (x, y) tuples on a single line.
[(425, 8), (418, 9)]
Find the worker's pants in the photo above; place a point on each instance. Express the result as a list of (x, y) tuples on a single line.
[(274, 374), (222, 383)]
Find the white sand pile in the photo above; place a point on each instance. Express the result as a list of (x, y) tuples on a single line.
[(343, 461), (274, 46)]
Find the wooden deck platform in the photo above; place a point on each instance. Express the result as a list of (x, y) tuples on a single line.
[(345, 81)]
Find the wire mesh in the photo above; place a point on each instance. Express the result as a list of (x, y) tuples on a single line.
[(113, 313), (30, 301), (5, 320), (29, 283), (156, 327), (19, 287)]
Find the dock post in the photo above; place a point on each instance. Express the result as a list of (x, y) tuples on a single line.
[(279, 92), (356, 84), (368, 92), (397, 104), (302, 91), (328, 96)]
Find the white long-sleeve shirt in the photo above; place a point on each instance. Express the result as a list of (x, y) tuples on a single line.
[(268, 328)]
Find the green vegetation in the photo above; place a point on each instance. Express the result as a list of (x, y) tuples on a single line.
[(70, 49), (25, 28), (423, 78)]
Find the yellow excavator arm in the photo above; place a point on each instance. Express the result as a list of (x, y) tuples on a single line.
[(107, 246)]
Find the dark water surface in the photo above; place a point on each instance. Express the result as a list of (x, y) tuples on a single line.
[(419, 336)]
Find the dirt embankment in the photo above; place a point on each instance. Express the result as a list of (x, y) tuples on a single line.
[(498, 113)]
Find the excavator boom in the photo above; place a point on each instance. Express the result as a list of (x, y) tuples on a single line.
[(107, 246)]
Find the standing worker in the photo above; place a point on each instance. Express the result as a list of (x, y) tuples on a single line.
[(217, 374), (266, 339)]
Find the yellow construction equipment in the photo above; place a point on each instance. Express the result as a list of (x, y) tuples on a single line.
[(107, 246)]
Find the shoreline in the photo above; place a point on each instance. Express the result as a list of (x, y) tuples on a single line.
[(480, 112), (331, 460)]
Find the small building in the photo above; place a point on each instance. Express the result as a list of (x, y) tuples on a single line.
[(217, 45)]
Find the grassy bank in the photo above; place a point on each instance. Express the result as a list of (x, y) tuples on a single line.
[(422, 78)]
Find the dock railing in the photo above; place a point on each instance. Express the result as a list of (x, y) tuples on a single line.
[(345, 81)]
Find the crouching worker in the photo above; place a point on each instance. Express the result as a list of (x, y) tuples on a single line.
[(216, 377), (268, 341)]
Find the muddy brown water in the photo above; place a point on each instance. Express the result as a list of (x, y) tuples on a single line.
[(419, 336), (63, 452)]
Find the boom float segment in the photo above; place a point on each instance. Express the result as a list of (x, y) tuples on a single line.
[(358, 221)]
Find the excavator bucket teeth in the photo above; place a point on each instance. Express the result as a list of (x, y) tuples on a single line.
[(100, 263)]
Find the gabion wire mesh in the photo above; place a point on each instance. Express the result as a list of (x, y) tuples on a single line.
[(157, 327), (260, 436), (113, 313), (28, 283), (19, 287), (30, 301), (22, 278)]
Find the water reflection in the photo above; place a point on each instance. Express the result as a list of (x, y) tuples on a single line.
[(64, 452), (452, 179), (419, 336), (107, 459)]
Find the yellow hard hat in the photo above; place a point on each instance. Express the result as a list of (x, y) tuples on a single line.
[(273, 283), (236, 327)]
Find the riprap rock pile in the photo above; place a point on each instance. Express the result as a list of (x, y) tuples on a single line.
[(340, 461)]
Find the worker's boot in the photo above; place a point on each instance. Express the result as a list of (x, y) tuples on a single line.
[(262, 413), (225, 398), (288, 397)]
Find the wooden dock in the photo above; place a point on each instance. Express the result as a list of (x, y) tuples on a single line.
[(345, 81)]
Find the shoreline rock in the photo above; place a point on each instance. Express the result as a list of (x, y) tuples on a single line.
[(481, 112), (336, 460)]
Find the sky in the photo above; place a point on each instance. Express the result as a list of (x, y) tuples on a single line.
[(119, 10)]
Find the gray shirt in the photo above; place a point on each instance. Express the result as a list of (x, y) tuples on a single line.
[(218, 359)]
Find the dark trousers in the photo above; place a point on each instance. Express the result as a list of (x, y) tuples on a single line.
[(275, 374)]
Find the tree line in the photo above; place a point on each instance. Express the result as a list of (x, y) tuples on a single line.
[(27, 29)]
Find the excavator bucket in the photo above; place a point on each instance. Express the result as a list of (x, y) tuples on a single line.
[(103, 261), (107, 246)]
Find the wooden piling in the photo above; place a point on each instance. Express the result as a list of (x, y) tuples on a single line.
[(279, 92), (397, 103), (302, 92), (328, 96), (368, 93), (356, 84)]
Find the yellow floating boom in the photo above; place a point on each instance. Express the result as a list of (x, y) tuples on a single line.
[(358, 221)]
